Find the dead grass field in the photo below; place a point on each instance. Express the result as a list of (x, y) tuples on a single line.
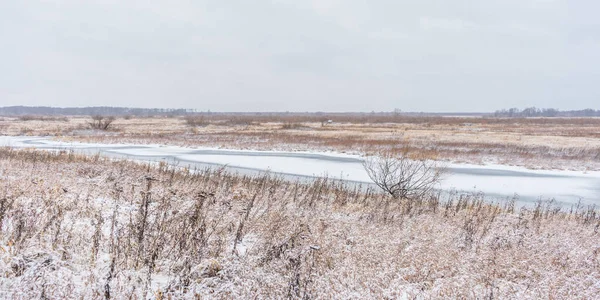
[(560, 143), (75, 227)]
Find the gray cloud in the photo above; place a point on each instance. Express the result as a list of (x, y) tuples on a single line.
[(328, 55)]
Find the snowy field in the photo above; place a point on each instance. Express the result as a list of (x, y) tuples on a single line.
[(497, 182), (534, 143), (90, 227)]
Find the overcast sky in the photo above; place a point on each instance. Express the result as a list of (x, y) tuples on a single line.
[(292, 55)]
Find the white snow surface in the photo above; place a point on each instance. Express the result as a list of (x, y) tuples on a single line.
[(498, 181)]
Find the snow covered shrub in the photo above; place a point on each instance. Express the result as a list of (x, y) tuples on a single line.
[(404, 176)]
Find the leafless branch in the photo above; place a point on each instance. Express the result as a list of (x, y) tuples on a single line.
[(402, 176), (101, 122)]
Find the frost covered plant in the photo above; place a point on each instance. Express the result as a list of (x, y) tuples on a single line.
[(404, 176), (89, 228), (101, 122)]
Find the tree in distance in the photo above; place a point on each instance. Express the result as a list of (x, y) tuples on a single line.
[(101, 122)]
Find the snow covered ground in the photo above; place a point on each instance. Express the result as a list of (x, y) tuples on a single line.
[(497, 182), (77, 227)]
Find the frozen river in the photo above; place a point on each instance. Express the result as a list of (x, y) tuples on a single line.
[(495, 181)]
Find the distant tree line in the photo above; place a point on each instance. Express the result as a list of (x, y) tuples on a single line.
[(545, 112), (127, 111), (94, 111)]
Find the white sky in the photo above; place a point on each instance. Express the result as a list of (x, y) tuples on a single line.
[(319, 55)]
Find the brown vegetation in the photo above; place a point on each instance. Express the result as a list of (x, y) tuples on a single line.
[(572, 143), (43, 118), (101, 122), (404, 176), (89, 227)]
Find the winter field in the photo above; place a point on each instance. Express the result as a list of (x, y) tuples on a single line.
[(86, 227), (496, 183), (102, 214), (534, 143)]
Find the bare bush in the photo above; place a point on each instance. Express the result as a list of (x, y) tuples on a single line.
[(101, 122), (403, 176)]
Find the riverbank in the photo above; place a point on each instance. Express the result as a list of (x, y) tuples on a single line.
[(496, 182), (78, 226), (533, 143)]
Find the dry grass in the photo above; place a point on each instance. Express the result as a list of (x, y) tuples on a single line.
[(88, 227), (562, 143), (43, 118)]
